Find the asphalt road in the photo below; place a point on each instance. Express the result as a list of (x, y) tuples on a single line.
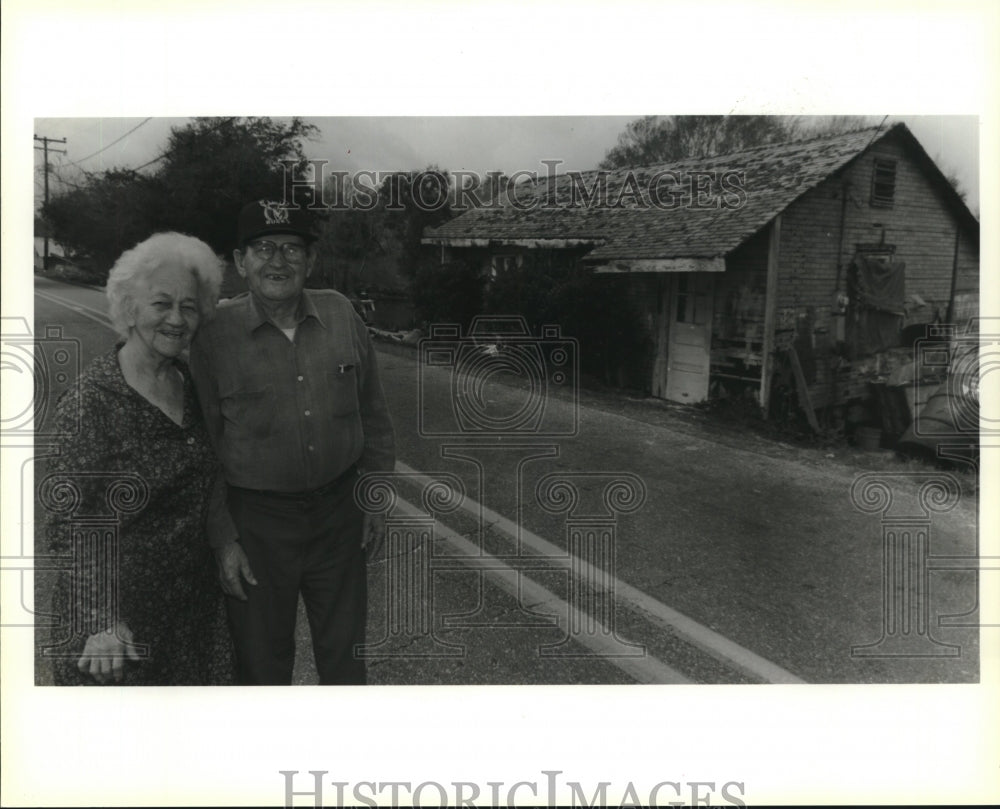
[(556, 536)]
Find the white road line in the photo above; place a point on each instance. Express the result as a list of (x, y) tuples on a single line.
[(708, 640), (93, 314), (644, 669)]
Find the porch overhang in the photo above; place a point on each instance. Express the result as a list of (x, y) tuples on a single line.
[(662, 265), (541, 244)]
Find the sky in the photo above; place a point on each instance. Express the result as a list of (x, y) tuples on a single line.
[(478, 144)]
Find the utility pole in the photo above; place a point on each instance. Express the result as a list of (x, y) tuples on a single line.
[(45, 149)]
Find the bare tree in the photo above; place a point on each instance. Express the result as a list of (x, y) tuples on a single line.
[(662, 139)]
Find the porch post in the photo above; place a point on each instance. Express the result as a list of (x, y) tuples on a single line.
[(659, 386), (770, 313)]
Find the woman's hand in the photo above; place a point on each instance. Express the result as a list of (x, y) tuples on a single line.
[(105, 653)]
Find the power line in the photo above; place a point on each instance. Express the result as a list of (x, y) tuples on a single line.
[(104, 148), (218, 126), (61, 171), (154, 160), (67, 182)]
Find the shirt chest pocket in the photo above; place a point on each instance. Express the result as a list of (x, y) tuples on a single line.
[(250, 413), (342, 388)]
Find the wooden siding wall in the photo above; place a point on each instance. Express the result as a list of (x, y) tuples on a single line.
[(919, 224)]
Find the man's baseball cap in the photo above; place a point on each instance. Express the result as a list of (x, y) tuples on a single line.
[(265, 217)]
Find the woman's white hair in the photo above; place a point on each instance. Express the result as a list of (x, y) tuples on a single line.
[(148, 256)]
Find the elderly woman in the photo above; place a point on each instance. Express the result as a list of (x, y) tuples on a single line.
[(149, 610)]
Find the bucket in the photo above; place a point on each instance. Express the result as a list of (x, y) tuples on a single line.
[(868, 438)]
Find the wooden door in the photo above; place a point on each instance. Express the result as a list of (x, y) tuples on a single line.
[(690, 336)]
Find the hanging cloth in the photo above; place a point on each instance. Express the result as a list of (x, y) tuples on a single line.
[(879, 295)]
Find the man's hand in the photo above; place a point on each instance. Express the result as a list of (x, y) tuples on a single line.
[(373, 534), (104, 654), (233, 567)]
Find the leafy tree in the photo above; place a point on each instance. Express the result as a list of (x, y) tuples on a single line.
[(214, 166), (105, 216), (210, 168)]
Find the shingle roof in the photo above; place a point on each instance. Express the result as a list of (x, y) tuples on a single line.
[(773, 177)]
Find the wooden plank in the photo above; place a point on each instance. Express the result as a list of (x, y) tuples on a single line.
[(662, 265), (770, 312), (803, 389)]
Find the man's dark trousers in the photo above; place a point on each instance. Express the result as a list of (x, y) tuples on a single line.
[(308, 543)]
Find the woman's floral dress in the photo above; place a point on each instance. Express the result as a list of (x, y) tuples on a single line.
[(123, 461)]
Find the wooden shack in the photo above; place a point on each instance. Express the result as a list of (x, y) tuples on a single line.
[(826, 256)]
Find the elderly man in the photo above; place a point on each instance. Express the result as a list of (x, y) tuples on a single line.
[(289, 384)]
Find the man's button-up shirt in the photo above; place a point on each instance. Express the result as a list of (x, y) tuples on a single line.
[(292, 415)]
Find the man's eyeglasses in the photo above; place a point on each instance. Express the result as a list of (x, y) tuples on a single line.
[(293, 252)]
